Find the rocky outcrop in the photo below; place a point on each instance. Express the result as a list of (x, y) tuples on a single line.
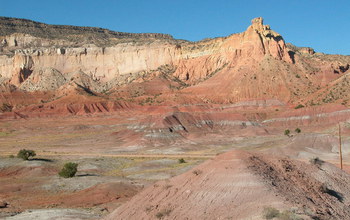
[(259, 40), (43, 80), (100, 63)]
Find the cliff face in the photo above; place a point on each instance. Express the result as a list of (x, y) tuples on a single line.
[(255, 64), (194, 61), (99, 63)]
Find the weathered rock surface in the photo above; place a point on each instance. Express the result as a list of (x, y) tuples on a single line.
[(91, 65)]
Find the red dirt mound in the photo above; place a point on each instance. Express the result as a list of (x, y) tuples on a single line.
[(239, 185)]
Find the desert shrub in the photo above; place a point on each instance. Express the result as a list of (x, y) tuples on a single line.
[(182, 160), (149, 208), (299, 106), (11, 156), (69, 170), (297, 130), (25, 154), (270, 213), (197, 172), (288, 215), (273, 213), (161, 214), (287, 132), (316, 161)]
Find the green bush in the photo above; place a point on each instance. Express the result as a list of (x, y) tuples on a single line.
[(69, 170), (25, 154), (287, 132), (182, 160), (297, 130)]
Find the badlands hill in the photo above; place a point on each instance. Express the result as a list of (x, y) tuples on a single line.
[(241, 185)]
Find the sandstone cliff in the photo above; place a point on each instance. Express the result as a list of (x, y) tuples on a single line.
[(254, 65)]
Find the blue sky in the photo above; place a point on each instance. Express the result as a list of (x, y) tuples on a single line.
[(321, 24)]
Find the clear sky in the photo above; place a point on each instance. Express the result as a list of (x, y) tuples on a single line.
[(321, 24)]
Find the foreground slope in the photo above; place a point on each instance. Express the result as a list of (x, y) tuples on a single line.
[(241, 185)]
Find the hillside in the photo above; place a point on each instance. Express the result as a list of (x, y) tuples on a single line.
[(240, 185)]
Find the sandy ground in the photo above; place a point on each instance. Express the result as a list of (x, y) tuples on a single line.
[(54, 214), (118, 156), (101, 183)]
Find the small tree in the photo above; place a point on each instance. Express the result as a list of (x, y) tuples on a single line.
[(297, 130), (287, 132), (25, 154), (69, 170)]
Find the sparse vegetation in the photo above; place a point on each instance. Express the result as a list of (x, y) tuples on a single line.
[(272, 213), (25, 154), (299, 106), (197, 172), (298, 130), (288, 215), (316, 161), (287, 132), (69, 170), (161, 214), (149, 208), (182, 160)]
